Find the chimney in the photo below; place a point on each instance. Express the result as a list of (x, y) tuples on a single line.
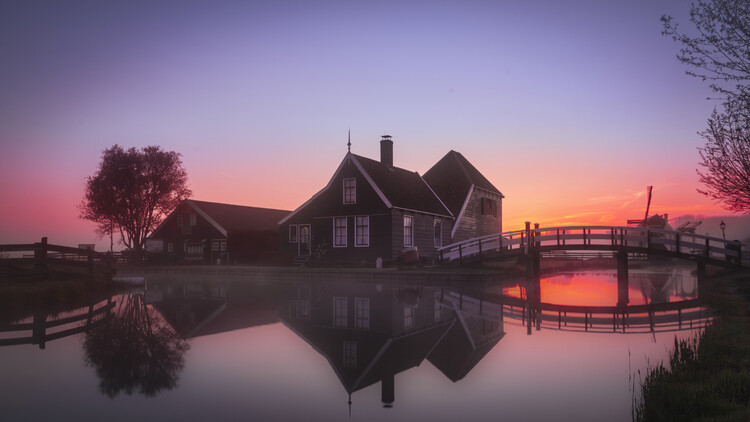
[(386, 151), (388, 390)]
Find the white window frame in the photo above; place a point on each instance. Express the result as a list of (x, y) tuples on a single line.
[(340, 318), (362, 240), (336, 239), (170, 247), (438, 235), (350, 191), (215, 246), (362, 313), (223, 245), (292, 239), (409, 241)]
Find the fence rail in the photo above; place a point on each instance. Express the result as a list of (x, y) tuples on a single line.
[(599, 238), (64, 258)]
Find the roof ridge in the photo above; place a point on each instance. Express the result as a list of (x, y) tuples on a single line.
[(456, 156), (233, 205)]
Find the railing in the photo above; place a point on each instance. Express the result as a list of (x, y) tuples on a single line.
[(44, 253), (654, 317), (605, 238), (40, 330)]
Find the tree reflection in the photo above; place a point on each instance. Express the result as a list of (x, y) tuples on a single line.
[(135, 351)]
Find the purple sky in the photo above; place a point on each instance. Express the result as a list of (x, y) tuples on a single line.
[(570, 108)]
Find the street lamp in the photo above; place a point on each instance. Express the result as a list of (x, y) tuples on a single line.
[(723, 226)]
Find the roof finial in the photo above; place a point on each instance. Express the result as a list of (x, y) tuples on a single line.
[(349, 142)]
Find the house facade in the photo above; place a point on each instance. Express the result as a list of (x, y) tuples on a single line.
[(369, 209), (201, 232), (475, 202)]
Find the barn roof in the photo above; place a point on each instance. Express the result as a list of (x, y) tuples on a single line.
[(229, 217), (240, 217), (452, 178)]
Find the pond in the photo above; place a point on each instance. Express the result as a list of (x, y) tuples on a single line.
[(198, 347)]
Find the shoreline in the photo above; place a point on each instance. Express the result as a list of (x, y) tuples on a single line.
[(707, 377)]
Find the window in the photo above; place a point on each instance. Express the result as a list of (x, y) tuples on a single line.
[(194, 249), (362, 233), (489, 207), (293, 233), (215, 246), (339, 312), (224, 246), (339, 232), (193, 219), (408, 317), (170, 247), (438, 225), (350, 354), (408, 230), (362, 313), (350, 191)]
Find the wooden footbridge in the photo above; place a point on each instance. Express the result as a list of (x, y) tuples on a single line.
[(631, 240)]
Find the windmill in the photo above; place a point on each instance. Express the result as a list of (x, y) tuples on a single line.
[(642, 222)]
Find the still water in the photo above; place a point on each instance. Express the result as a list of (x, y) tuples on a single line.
[(191, 347)]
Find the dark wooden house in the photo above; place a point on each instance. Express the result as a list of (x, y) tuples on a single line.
[(209, 233), (471, 198), (369, 209)]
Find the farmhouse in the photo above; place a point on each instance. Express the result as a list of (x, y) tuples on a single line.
[(370, 209), (208, 233), (471, 198)]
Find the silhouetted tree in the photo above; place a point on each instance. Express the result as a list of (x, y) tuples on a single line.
[(135, 351), (726, 157), (132, 191), (719, 49)]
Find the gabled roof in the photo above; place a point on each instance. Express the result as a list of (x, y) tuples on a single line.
[(403, 189), (228, 217), (397, 188), (452, 179)]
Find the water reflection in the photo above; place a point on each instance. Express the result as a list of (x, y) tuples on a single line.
[(416, 347), (368, 333), (648, 300), (135, 351)]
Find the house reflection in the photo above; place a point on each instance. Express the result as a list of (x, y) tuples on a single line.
[(369, 333), (202, 307)]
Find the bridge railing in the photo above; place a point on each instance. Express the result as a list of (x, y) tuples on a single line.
[(593, 238)]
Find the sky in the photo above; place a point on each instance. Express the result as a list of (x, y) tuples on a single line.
[(569, 108)]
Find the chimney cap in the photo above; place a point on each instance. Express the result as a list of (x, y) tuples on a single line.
[(386, 137)]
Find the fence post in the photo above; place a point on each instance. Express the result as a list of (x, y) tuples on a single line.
[(460, 253), (40, 257), (708, 252), (677, 241)]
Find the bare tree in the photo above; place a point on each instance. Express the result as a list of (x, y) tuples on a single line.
[(725, 158), (133, 191), (719, 48)]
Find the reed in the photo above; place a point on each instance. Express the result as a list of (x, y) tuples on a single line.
[(708, 376)]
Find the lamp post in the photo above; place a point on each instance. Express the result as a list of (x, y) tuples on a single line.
[(723, 226)]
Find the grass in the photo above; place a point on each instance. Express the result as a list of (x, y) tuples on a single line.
[(708, 376)]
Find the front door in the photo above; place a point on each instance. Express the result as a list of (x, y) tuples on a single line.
[(304, 240)]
